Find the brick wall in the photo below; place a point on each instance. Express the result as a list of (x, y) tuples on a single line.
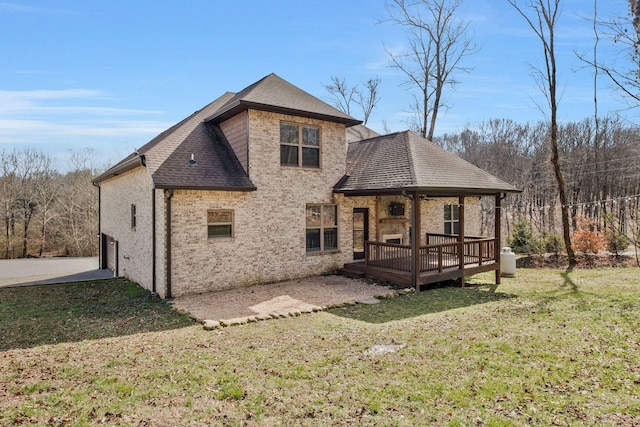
[(134, 245), (269, 236)]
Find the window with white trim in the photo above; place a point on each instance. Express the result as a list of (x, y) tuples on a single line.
[(322, 228), (451, 223), (299, 145), (219, 223)]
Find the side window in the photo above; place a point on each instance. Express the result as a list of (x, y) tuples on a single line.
[(299, 145), (219, 224), (322, 228), (134, 217), (451, 224)]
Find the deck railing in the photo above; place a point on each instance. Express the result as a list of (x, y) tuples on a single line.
[(388, 255), (433, 257)]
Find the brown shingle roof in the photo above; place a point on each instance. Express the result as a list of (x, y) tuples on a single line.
[(168, 156), (405, 161), (272, 93)]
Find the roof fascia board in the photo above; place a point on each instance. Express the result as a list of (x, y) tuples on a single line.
[(240, 106), (207, 188), (121, 168), (435, 192)]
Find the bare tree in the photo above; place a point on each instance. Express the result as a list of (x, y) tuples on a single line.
[(8, 202), (439, 40), (624, 33), (31, 168), (543, 23), (344, 95), (369, 98)]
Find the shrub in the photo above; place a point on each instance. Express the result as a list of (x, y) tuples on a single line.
[(552, 243), (522, 239), (586, 238), (616, 240)]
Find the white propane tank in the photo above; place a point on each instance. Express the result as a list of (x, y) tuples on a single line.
[(507, 262)]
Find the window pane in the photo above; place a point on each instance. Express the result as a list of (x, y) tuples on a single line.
[(454, 212), (219, 216), (288, 133), (329, 218), (358, 221), (313, 240), (456, 228), (219, 230), (447, 212), (288, 155), (447, 228), (310, 157), (310, 136), (313, 215), (330, 239)]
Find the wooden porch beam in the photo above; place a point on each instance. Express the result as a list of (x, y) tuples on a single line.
[(415, 241), (461, 236), (497, 231)]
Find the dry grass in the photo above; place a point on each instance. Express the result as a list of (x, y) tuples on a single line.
[(546, 348)]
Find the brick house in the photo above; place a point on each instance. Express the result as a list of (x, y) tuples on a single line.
[(271, 183)]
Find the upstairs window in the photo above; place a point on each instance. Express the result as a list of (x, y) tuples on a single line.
[(322, 228), (451, 223), (219, 224), (299, 145)]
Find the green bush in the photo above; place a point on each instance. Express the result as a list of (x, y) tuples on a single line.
[(552, 243), (522, 239)]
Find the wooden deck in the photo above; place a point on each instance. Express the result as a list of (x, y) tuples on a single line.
[(438, 262)]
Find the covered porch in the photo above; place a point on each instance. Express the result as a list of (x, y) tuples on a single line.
[(407, 166), (444, 257)]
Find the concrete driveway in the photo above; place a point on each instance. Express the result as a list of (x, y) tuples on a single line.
[(45, 271)]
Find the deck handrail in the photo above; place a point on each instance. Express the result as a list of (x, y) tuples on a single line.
[(436, 238), (433, 257)]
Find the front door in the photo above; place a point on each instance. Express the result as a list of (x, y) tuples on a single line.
[(360, 231)]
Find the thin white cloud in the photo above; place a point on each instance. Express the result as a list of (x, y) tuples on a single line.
[(40, 131), (26, 105)]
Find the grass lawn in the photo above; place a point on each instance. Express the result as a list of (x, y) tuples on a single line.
[(545, 348)]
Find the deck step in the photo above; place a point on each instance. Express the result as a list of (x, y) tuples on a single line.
[(352, 273)]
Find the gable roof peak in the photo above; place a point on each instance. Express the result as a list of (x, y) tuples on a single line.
[(273, 93)]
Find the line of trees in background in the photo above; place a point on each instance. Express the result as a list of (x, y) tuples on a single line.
[(601, 169), (43, 211)]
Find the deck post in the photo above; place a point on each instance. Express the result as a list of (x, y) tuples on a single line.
[(415, 241), (461, 237), (498, 228)]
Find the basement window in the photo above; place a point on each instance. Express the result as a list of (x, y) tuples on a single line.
[(219, 223)]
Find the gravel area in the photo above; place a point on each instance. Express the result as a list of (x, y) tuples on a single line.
[(290, 298)]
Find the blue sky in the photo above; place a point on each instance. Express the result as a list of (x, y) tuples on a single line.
[(110, 75)]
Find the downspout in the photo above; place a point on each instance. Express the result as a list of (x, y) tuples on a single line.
[(153, 240), (168, 194), (100, 260)]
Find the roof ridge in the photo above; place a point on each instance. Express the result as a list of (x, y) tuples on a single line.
[(411, 151)]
